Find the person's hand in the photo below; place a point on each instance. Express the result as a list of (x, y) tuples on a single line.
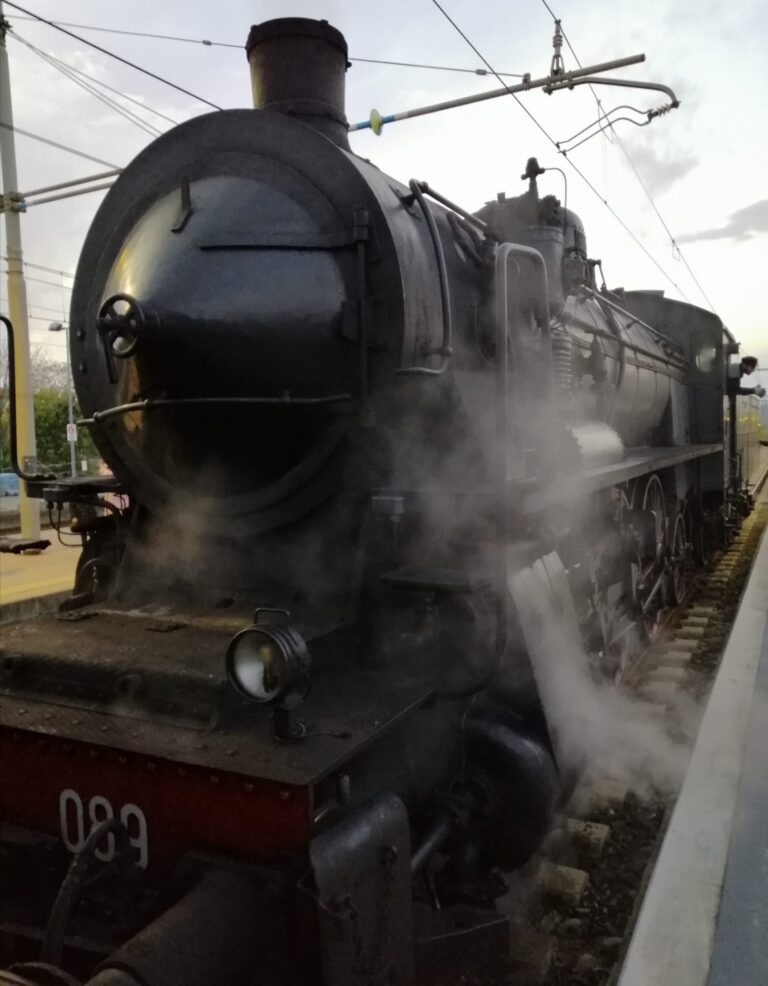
[(760, 391)]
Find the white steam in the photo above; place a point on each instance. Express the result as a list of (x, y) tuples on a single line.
[(618, 735)]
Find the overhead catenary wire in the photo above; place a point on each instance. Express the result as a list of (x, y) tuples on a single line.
[(41, 318), (92, 79), (672, 239), (111, 54), (240, 47), (49, 270), (131, 117), (437, 68), (40, 280), (122, 95), (637, 175), (45, 308), (61, 147), (553, 142), (61, 67), (137, 34)]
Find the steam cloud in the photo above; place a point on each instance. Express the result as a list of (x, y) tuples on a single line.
[(744, 224), (660, 171), (617, 735)]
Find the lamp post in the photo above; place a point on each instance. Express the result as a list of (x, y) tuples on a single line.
[(71, 430)]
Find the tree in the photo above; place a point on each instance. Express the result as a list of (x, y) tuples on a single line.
[(47, 374), (49, 384)]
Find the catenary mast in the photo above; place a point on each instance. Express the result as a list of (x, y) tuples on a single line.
[(17, 295)]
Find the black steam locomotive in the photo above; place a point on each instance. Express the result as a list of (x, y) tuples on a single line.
[(289, 720)]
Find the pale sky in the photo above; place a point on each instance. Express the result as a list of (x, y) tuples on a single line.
[(704, 163)]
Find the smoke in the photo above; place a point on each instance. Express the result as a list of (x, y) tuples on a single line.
[(662, 167), (744, 224), (200, 551), (619, 736)]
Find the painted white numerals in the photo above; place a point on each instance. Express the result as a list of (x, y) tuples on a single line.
[(136, 825), (77, 821)]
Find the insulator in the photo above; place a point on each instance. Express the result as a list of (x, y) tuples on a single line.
[(557, 67)]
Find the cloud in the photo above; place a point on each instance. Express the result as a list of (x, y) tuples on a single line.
[(743, 225), (660, 171)]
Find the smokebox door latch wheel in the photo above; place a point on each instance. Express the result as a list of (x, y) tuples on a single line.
[(121, 322)]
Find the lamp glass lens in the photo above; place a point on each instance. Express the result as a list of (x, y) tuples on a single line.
[(259, 666)]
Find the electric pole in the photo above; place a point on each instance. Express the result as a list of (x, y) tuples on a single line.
[(17, 297)]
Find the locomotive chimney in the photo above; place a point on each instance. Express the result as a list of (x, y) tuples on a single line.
[(297, 68)]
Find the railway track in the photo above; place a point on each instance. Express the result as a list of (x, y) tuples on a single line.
[(591, 875)]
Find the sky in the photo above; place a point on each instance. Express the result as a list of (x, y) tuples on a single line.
[(704, 164)]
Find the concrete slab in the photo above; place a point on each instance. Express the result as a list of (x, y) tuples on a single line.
[(675, 933), (740, 953)]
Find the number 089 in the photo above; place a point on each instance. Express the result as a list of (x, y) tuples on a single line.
[(78, 820)]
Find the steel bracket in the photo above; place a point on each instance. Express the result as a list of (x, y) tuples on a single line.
[(362, 870)]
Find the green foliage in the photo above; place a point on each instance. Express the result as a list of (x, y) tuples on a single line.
[(51, 416)]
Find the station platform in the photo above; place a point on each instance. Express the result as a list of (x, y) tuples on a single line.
[(34, 583), (704, 917)]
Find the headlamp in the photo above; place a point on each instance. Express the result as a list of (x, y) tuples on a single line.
[(269, 664)]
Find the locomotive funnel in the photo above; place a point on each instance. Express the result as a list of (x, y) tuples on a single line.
[(297, 68)]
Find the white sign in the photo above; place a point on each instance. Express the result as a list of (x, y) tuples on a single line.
[(72, 433)]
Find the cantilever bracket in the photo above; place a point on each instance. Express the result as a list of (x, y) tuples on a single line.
[(596, 80)]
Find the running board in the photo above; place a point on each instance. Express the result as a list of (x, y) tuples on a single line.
[(638, 461)]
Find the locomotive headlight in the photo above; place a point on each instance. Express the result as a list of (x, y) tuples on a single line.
[(269, 664)]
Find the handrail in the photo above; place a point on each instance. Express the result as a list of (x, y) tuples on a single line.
[(26, 476), (427, 190), (150, 403), (505, 253), (591, 293)]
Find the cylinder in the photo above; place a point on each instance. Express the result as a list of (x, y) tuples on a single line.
[(298, 67), (226, 931)]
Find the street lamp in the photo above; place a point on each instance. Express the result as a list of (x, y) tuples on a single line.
[(71, 429)]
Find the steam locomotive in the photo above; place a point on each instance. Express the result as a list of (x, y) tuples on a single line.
[(289, 720)]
